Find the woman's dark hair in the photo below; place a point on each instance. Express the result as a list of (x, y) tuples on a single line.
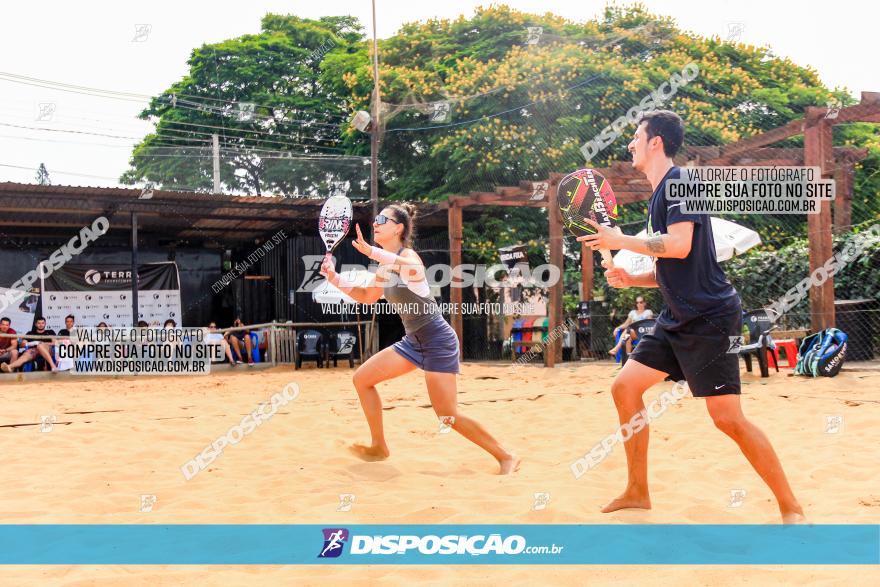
[(405, 214), (171, 322)]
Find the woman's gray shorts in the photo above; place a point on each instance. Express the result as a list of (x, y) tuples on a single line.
[(433, 347)]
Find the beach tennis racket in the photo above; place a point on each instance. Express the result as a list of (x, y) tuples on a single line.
[(586, 194), (334, 221), (333, 224)]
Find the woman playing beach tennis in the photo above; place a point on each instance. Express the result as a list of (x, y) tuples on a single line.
[(430, 343)]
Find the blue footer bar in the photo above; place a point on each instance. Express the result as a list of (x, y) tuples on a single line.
[(257, 544)]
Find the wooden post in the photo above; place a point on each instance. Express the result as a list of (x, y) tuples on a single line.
[(818, 153), (455, 238), (553, 354), (586, 273), (843, 179)]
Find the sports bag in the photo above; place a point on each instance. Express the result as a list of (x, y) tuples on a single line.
[(822, 353)]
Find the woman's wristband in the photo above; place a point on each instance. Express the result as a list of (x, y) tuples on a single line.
[(381, 255)]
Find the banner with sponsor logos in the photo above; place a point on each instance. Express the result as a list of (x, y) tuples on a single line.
[(102, 293)]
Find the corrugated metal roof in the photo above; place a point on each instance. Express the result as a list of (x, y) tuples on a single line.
[(33, 210)]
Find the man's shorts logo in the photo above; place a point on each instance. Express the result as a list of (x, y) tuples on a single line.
[(334, 540)]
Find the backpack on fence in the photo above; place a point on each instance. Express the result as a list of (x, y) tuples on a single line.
[(822, 353)]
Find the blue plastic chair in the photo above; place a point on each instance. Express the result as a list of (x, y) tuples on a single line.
[(255, 346)]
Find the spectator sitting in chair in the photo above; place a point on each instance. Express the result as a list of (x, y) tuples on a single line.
[(217, 338), (8, 346), (35, 348), (69, 321), (66, 364), (641, 312), (238, 338)]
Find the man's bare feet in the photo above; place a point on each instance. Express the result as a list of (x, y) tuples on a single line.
[(628, 500), (5, 368), (509, 465), (370, 453), (613, 351)]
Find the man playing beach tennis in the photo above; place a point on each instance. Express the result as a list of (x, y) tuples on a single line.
[(693, 333)]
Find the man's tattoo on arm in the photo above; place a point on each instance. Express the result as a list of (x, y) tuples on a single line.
[(655, 244)]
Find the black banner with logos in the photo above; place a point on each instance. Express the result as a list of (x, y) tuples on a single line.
[(102, 293)]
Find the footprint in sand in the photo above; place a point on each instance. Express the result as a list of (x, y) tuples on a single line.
[(374, 471)]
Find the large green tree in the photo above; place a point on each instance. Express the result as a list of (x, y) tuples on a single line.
[(279, 124), (519, 110)]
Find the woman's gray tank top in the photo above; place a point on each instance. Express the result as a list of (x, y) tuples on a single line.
[(415, 311)]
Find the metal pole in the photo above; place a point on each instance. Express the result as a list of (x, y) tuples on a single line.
[(134, 266), (216, 150), (374, 139)]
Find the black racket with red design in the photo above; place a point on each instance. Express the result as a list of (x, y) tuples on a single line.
[(586, 194)]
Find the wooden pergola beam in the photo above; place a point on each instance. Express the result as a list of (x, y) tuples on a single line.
[(793, 128)]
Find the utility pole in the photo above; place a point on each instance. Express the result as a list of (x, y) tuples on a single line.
[(215, 139), (374, 139)]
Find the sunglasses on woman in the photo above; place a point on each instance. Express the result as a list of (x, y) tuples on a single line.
[(382, 219)]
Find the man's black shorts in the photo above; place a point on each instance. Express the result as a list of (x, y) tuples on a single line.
[(698, 353)]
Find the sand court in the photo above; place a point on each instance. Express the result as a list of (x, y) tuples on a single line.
[(110, 451)]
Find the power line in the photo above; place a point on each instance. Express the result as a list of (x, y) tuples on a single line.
[(134, 97), (168, 137), (68, 131), (60, 172)]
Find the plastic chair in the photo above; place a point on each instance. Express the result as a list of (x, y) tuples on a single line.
[(760, 325), (640, 328), (255, 346), (309, 345), (790, 347), (342, 344)]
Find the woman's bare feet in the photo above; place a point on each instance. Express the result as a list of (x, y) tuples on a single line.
[(370, 453), (628, 499), (510, 464), (794, 516)]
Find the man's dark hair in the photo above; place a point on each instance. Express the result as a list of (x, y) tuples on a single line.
[(71, 316), (5, 319), (38, 318), (668, 126)]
